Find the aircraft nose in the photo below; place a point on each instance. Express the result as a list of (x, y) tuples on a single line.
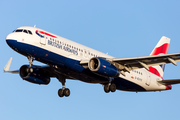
[(10, 40)]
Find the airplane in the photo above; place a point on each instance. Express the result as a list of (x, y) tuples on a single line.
[(65, 59)]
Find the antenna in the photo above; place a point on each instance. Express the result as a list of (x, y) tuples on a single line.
[(34, 25)]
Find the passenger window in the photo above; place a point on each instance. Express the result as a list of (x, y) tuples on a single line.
[(25, 31), (19, 30)]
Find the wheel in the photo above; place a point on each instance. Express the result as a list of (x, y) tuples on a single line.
[(112, 87), (60, 93), (27, 70), (106, 88), (66, 92), (31, 70)]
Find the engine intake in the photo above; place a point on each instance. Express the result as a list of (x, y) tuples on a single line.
[(103, 67), (36, 75)]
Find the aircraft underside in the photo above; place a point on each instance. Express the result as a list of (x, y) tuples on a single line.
[(70, 68)]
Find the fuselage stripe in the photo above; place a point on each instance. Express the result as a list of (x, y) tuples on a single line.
[(45, 33)]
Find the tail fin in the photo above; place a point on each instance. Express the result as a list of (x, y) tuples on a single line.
[(161, 48)]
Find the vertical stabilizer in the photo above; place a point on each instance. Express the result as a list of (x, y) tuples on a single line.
[(161, 48)]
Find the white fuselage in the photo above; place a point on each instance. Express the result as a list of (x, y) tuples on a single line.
[(72, 50)]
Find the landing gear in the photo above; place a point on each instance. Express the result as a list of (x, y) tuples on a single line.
[(30, 69), (110, 86), (106, 88), (31, 59), (64, 91)]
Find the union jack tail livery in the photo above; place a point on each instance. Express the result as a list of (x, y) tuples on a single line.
[(162, 47)]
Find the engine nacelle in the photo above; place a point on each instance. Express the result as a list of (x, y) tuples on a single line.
[(103, 67), (34, 75)]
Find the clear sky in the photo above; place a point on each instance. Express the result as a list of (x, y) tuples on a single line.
[(122, 28)]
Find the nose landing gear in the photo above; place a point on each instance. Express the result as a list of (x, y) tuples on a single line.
[(30, 59)]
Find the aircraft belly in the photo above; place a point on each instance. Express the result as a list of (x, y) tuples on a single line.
[(70, 67), (126, 85)]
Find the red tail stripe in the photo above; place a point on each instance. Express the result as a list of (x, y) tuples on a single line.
[(162, 49), (154, 71)]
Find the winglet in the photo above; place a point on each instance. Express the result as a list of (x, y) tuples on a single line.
[(6, 68)]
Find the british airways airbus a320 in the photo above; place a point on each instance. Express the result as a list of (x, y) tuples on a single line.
[(66, 59)]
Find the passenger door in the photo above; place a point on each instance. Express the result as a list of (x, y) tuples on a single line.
[(148, 81), (43, 40)]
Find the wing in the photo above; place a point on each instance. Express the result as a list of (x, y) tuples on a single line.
[(44, 68), (127, 64), (169, 82), (6, 68), (53, 72), (147, 61)]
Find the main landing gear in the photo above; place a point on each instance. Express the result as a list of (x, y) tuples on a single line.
[(110, 86), (64, 91)]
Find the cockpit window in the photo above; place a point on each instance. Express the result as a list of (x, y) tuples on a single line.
[(19, 30), (30, 32), (25, 31)]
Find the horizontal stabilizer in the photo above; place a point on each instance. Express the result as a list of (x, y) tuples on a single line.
[(169, 82)]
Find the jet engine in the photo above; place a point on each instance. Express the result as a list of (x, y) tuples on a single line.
[(103, 67), (34, 75)]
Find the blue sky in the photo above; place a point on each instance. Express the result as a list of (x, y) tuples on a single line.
[(122, 28)]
